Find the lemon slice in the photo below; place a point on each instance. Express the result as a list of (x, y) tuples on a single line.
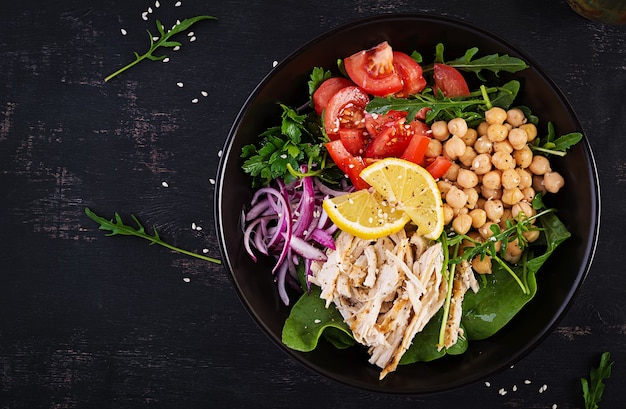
[(410, 188), (365, 214)]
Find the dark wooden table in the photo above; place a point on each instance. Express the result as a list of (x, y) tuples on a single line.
[(88, 321)]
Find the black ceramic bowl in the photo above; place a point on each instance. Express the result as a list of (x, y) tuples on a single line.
[(559, 279)]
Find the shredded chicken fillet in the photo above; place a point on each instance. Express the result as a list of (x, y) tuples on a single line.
[(386, 290)]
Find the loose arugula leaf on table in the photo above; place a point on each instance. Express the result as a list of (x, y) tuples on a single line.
[(116, 226), (283, 149), (593, 388), (493, 62), (550, 145), (163, 41)]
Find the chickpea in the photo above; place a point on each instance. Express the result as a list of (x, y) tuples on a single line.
[(539, 165), (470, 137), (510, 178), (479, 217), (462, 223), (458, 127), (495, 115), (497, 132), (456, 197), (492, 179), (454, 147), (529, 194), (481, 164), (494, 209), (513, 251), (444, 186), (490, 194), (553, 181), (483, 145), (531, 131), (525, 178), (503, 146), (448, 214), (531, 235), (434, 148), (480, 203), (472, 197), (515, 117), (453, 172), (522, 208), (461, 210), (518, 138), (538, 184), (482, 128), (482, 265), (512, 196), (468, 156), (523, 157), (440, 130), (486, 232), (466, 178), (502, 160)]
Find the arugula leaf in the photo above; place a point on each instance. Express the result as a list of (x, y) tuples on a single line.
[(309, 320), (559, 146), (117, 227), (593, 388), (163, 41), (493, 62), (282, 149)]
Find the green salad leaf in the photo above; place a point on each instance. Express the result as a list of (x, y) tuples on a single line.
[(551, 145), (593, 388)]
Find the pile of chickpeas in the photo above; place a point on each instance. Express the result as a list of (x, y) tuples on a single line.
[(494, 176)]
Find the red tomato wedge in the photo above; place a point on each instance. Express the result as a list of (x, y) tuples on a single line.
[(354, 140), (439, 166), (373, 70), (375, 123), (349, 164), (411, 74), (416, 149), (345, 109), (394, 139), (450, 81), (326, 90)]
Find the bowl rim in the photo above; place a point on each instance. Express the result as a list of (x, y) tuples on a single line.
[(589, 250)]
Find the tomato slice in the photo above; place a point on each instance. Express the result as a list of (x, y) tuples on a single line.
[(349, 164), (354, 139), (411, 74), (374, 71), (418, 145), (439, 166), (450, 81), (345, 109), (395, 138), (326, 90), (376, 123)]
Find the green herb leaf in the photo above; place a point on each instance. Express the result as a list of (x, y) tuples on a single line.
[(163, 41), (550, 145), (116, 226), (593, 388), (318, 75)]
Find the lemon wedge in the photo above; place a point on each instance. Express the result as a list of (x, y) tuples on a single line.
[(401, 191)]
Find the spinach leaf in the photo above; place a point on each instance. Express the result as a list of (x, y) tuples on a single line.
[(308, 321)]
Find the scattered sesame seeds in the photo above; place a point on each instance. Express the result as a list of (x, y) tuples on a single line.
[(502, 391), (178, 4), (212, 181), (205, 251), (190, 34), (317, 321), (514, 388), (180, 84), (543, 388), (176, 48), (193, 226), (157, 4), (155, 38), (186, 279), (204, 94), (149, 10), (192, 39), (554, 406), (166, 60), (164, 184), (274, 63), (527, 382), (488, 384), (194, 101), (123, 31), (219, 153), (144, 15)]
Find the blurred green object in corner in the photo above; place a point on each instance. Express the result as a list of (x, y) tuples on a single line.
[(603, 11)]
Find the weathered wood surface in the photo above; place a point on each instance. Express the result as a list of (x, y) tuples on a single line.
[(88, 321)]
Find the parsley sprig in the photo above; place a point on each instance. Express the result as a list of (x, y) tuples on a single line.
[(116, 226), (163, 41)]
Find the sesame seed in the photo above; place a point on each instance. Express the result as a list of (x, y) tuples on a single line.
[(180, 84), (317, 321), (194, 101), (205, 251), (176, 48), (274, 63), (157, 4), (488, 384), (186, 279), (155, 38), (166, 60), (502, 391), (212, 181), (514, 388), (198, 228), (164, 184), (219, 153), (527, 382), (192, 39), (150, 10), (123, 31), (193, 226), (190, 34), (144, 15), (178, 4), (283, 156), (204, 94), (554, 406)]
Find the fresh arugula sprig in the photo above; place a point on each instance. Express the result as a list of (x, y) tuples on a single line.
[(284, 148), (550, 145), (593, 388), (163, 41), (116, 226), (471, 108), (492, 62)]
